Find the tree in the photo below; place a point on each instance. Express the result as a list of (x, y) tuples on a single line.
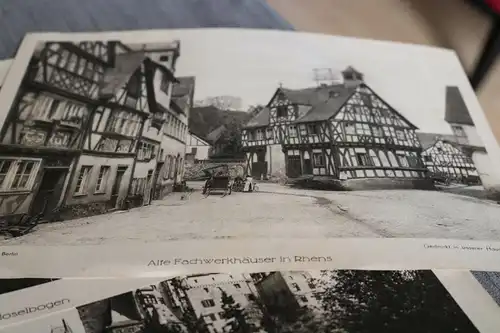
[(390, 301), (237, 321)]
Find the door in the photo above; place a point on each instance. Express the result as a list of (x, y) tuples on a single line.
[(156, 187), (259, 168), (149, 186), (115, 191), (49, 191), (293, 167), (308, 167)]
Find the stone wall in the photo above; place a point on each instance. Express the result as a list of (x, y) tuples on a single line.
[(192, 171)]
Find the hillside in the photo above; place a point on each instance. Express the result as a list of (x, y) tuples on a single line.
[(203, 120)]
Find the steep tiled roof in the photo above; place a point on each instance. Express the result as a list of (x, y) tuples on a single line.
[(260, 120), (115, 78), (456, 111), (330, 102), (427, 140), (216, 134)]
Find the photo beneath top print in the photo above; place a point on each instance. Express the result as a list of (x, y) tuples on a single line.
[(206, 136), (279, 301)]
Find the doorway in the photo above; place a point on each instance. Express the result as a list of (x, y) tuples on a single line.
[(115, 190), (149, 187), (49, 191), (156, 186), (293, 166), (259, 168)]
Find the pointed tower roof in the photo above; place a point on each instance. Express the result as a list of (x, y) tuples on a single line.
[(456, 112)]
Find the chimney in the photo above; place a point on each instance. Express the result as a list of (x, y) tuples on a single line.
[(352, 77)]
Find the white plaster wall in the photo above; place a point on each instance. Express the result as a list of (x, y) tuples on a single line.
[(489, 177), (201, 151), (97, 162), (142, 168), (276, 159), (472, 136)]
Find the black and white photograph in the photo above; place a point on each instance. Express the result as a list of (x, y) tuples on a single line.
[(142, 137), (278, 301)]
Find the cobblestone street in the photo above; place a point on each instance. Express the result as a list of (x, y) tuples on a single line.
[(277, 211)]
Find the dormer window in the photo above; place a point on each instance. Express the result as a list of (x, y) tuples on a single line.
[(164, 58), (281, 111), (313, 129)]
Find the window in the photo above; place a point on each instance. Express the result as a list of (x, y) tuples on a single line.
[(269, 133), (377, 131), (4, 170), (206, 290), (146, 151), (237, 286), (17, 174), (102, 179), (349, 128), (212, 317), (73, 114), (427, 158), (221, 315), (259, 134), (303, 299), (134, 84), (414, 161), (293, 131), (459, 131), (83, 180), (319, 160), (281, 111), (313, 129), (400, 135), (402, 160), (208, 303), (296, 287), (164, 58), (363, 129), (367, 101), (363, 159)]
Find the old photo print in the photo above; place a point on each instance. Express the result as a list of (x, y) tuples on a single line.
[(278, 301), (142, 137)]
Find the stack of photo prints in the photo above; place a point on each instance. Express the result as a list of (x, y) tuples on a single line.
[(241, 181)]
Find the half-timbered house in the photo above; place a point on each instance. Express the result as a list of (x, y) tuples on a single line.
[(466, 136), (155, 141), (339, 133), (80, 125), (444, 158)]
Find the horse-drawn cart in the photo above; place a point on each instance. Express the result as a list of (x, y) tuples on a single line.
[(219, 180)]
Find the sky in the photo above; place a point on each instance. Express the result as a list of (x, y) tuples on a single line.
[(251, 65)]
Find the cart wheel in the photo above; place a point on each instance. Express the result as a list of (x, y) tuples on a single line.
[(207, 192), (230, 190)]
